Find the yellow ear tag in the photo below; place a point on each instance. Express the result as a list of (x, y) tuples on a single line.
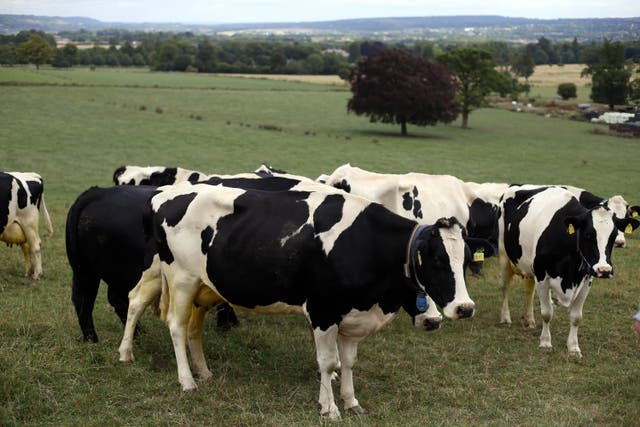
[(628, 229), (570, 229), (419, 258), (635, 214), (478, 255)]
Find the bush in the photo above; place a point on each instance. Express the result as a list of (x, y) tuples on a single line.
[(567, 90)]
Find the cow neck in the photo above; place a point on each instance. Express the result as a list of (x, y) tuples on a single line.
[(584, 264), (410, 270)]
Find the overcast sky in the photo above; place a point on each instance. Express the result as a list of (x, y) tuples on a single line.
[(234, 11)]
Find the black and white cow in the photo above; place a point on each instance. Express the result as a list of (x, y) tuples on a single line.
[(154, 175), (558, 245), (21, 199), (423, 198), (344, 262)]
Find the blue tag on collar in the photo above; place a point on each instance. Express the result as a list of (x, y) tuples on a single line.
[(421, 303)]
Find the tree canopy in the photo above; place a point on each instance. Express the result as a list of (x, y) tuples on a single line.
[(399, 86), (609, 74), (36, 50), (476, 77)]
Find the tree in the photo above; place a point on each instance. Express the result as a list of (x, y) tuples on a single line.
[(476, 78), (609, 75), (524, 63), (398, 86), (36, 50), (567, 90)]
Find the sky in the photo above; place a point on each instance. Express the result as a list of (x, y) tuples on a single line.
[(244, 11)]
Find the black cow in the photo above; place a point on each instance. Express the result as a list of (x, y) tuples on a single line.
[(21, 199), (557, 245), (105, 240), (344, 262)]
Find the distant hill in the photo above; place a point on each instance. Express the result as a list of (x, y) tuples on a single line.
[(431, 27)]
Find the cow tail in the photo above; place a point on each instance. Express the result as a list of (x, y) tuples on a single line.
[(47, 219)]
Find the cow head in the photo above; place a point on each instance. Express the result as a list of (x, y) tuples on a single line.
[(620, 207), (595, 232), (483, 224), (438, 254)]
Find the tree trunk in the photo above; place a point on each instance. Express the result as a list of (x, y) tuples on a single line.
[(611, 107), (465, 119), (403, 125)]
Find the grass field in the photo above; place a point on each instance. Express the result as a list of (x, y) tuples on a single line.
[(75, 127)]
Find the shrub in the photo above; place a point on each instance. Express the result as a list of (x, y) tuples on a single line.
[(567, 90)]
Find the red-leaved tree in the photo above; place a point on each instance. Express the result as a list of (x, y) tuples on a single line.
[(398, 86)]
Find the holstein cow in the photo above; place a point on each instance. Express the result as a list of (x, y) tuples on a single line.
[(557, 245), (423, 198), (21, 198), (344, 262), (149, 287), (154, 175)]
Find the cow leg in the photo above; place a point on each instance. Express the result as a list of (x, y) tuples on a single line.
[(348, 350), (575, 317), (529, 289), (326, 353), (506, 274), (83, 294), (141, 296), (119, 302), (31, 233), (195, 343), (28, 266), (546, 311), (181, 296)]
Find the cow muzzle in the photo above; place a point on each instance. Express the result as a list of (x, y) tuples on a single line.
[(427, 323), (603, 272), (464, 311)]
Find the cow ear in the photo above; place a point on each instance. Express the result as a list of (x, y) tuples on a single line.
[(626, 224), (572, 224), (634, 211)]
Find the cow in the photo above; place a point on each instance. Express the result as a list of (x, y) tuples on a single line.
[(21, 200), (154, 175), (148, 289), (554, 242), (617, 204), (423, 198), (105, 240), (344, 262)]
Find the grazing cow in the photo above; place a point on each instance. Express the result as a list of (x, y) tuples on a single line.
[(423, 198), (105, 240), (558, 245), (154, 175), (346, 263), (21, 199)]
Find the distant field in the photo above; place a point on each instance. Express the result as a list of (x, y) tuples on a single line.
[(75, 127)]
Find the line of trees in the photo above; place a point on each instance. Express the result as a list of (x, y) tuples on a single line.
[(164, 51)]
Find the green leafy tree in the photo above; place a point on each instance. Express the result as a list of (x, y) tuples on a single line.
[(399, 86), (567, 90), (524, 63), (476, 77), (610, 75), (36, 50)]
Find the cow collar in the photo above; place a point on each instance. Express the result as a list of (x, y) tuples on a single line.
[(410, 271)]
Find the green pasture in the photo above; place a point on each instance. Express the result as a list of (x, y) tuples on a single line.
[(76, 127)]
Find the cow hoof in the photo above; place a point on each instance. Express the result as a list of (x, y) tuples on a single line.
[(189, 388), (335, 376), (332, 415), (545, 345), (126, 356), (576, 353), (205, 375), (357, 410)]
